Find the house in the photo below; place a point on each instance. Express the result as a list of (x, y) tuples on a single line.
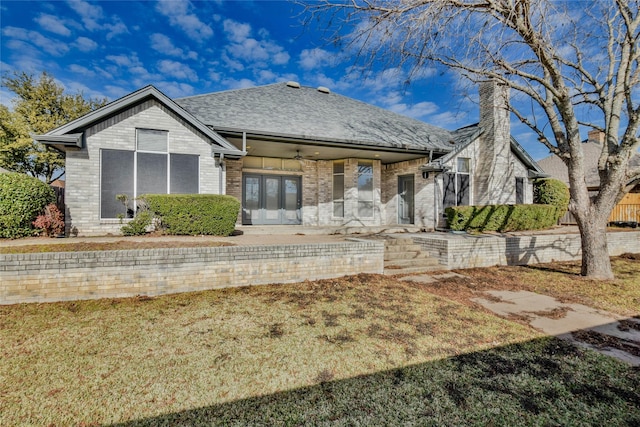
[(628, 209), (292, 154)]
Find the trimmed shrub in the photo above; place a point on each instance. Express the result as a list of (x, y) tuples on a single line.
[(501, 217), (22, 198), (551, 191), (50, 221), (194, 214), (138, 225)]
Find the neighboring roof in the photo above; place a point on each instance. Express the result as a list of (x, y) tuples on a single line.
[(308, 113), (555, 167), (466, 135), (70, 134)]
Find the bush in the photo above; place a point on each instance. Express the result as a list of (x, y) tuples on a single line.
[(138, 225), (22, 198), (550, 191), (50, 221), (194, 214), (501, 217)]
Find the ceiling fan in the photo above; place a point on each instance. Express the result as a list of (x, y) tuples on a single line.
[(297, 156)]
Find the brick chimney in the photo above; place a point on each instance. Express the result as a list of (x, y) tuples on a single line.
[(596, 136), (494, 182)]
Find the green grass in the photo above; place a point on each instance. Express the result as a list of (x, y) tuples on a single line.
[(361, 350)]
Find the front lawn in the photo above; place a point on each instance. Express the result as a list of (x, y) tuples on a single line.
[(362, 350)]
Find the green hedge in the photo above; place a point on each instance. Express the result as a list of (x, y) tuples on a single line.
[(194, 214), (22, 199), (550, 191), (501, 217)]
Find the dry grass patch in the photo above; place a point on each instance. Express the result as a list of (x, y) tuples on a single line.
[(560, 280), (109, 361)]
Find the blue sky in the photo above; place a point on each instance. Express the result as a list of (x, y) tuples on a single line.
[(110, 48)]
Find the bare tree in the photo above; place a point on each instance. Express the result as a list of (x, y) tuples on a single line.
[(573, 66)]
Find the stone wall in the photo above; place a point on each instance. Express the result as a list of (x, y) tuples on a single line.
[(469, 251), (47, 277)]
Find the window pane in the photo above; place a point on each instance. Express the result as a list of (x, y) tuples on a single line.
[(338, 167), (519, 191), (116, 177), (338, 187), (152, 174), (152, 140), (270, 163), (365, 181), (449, 190), (272, 198), (463, 190), (463, 165), (292, 165), (338, 209), (184, 174)]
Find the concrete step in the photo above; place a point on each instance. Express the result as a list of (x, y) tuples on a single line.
[(395, 241), (408, 270), (416, 262)]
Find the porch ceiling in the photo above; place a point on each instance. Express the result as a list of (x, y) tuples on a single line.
[(322, 150)]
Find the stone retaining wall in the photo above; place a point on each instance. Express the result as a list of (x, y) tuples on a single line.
[(60, 276), (468, 251)]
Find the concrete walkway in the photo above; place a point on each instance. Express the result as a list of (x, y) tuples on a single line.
[(598, 330)]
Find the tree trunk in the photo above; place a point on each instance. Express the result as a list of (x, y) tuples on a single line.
[(596, 263)]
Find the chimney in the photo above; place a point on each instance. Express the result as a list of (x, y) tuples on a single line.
[(493, 176), (596, 136)]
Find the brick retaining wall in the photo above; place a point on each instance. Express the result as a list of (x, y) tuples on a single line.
[(60, 276), (468, 251)]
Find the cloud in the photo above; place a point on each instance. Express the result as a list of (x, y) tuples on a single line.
[(83, 71), (52, 24), (311, 59), (85, 44), (174, 89), (177, 70), (163, 44), (416, 111), (179, 16), (51, 46), (89, 13), (253, 52), (232, 83), (92, 17)]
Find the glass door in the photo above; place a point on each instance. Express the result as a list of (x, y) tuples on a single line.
[(271, 199), (405, 199)]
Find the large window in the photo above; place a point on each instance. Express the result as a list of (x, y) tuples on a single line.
[(365, 189), (150, 169), (457, 183), (338, 189)]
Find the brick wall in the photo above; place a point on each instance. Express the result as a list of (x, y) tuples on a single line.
[(82, 196), (468, 251), (47, 277)]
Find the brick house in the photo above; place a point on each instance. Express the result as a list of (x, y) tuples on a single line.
[(292, 154)]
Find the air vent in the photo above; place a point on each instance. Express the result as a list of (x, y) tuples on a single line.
[(293, 84), (323, 89)]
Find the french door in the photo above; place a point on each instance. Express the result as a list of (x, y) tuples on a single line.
[(271, 199)]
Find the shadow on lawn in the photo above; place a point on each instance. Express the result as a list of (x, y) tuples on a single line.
[(542, 382)]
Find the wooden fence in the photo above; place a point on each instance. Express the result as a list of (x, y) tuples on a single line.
[(627, 210)]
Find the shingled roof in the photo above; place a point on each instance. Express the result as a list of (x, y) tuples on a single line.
[(592, 150), (308, 113)]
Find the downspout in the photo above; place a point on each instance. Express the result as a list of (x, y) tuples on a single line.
[(221, 174)]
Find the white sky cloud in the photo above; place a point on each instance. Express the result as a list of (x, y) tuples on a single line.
[(180, 16), (177, 70), (163, 44), (250, 51), (52, 24), (85, 44), (51, 46), (311, 59), (92, 16)]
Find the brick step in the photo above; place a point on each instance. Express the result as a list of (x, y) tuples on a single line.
[(401, 248), (389, 256)]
